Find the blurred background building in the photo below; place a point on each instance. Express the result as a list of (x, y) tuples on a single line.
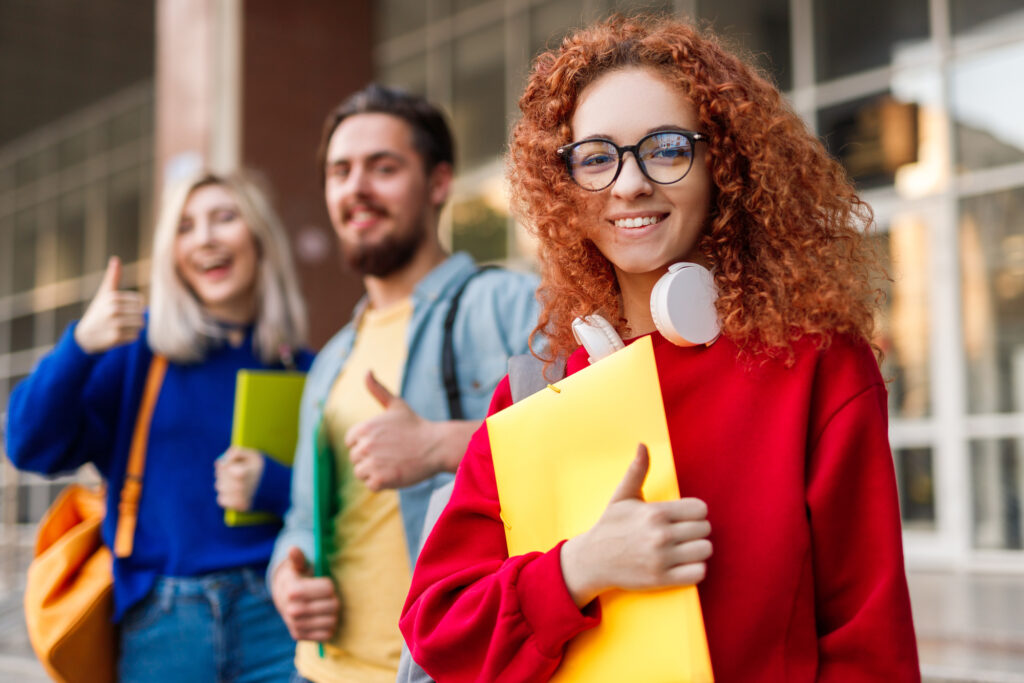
[(921, 100)]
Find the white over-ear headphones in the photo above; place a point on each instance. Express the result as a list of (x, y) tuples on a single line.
[(683, 308)]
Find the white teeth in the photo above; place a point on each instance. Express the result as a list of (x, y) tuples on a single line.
[(636, 222), (210, 265), (363, 215)]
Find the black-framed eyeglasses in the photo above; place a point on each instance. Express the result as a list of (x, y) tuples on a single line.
[(664, 157)]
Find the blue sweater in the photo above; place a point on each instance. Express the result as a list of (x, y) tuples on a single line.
[(77, 408)]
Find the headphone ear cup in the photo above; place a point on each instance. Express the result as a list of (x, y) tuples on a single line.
[(683, 305), (597, 336)]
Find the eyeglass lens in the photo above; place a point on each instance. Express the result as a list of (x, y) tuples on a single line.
[(663, 157)]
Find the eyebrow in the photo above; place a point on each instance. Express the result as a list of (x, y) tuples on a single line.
[(371, 158), (664, 128)]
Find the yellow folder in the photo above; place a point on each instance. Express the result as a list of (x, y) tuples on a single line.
[(266, 419), (558, 457)]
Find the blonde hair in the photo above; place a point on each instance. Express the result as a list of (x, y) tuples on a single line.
[(178, 326)]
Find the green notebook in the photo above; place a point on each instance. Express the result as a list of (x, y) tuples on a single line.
[(326, 502), (267, 420)]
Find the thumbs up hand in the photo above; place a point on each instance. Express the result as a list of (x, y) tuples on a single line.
[(637, 545), (113, 317), (396, 448)]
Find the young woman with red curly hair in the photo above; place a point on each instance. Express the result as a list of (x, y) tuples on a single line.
[(643, 143)]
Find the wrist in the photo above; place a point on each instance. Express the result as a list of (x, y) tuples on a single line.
[(276, 578), (448, 441), (77, 336), (578, 572)]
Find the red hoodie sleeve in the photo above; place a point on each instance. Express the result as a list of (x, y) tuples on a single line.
[(475, 614), (865, 627)]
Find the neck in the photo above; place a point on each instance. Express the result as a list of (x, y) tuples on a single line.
[(636, 300), (390, 289)]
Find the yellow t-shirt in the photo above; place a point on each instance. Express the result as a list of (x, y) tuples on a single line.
[(370, 565)]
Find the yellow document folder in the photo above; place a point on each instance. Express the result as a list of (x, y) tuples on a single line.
[(558, 457), (266, 419)]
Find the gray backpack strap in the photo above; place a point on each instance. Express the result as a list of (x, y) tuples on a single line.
[(526, 374), (438, 500), (525, 377), (408, 670)]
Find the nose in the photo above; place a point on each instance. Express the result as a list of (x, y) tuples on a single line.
[(357, 183), (204, 231), (631, 181)]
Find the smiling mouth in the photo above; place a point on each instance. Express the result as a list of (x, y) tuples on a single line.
[(216, 265), (638, 222), (364, 215)]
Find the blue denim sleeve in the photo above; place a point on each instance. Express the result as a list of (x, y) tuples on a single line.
[(513, 296)]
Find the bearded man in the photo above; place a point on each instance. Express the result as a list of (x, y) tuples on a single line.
[(377, 389)]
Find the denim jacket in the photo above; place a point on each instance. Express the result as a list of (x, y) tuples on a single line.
[(496, 314)]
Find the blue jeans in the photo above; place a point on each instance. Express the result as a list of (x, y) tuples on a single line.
[(217, 627)]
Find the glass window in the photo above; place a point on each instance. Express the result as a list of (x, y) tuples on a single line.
[(479, 229), (997, 483), (978, 15), (459, 5), (916, 481), (6, 255), (929, 171), (992, 275), (74, 150), (32, 167), (35, 495), (23, 333), (550, 22), (395, 17), (124, 128), (15, 380), (986, 108), (410, 75), (65, 315), (902, 332), (24, 513), (24, 252), (6, 179), (653, 6), (123, 216), (479, 96), (872, 136), (71, 236), (762, 28), (854, 36)]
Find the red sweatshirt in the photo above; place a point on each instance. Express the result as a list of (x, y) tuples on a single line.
[(806, 582)]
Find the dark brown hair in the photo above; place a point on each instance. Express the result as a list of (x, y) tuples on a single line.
[(431, 136)]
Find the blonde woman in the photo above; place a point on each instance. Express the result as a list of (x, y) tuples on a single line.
[(190, 599)]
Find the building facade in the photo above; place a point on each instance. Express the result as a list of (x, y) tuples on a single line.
[(918, 98)]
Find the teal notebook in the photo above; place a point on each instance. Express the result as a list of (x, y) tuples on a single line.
[(266, 419), (326, 501)]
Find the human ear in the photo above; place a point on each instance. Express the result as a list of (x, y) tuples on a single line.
[(440, 183)]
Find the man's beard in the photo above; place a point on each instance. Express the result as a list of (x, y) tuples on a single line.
[(388, 256)]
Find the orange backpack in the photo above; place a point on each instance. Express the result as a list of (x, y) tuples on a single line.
[(69, 597)]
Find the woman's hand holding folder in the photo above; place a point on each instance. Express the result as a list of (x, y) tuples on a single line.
[(637, 545)]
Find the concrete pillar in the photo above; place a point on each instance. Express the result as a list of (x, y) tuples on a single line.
[(249, 83)]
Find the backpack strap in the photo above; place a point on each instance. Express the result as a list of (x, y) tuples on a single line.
[(448, 374), (526, 374), (131, 491)]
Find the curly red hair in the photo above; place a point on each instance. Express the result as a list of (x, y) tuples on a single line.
[(784, 233)]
